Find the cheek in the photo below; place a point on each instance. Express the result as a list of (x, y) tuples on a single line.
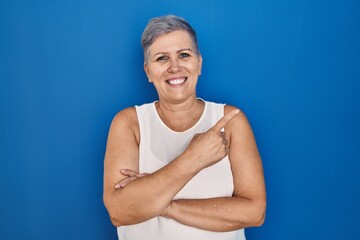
[(152, 75), (156, 72), (196, 70)]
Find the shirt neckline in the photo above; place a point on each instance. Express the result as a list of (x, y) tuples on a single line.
[(187, 130)]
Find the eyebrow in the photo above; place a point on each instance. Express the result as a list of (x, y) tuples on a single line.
[(178, 51)]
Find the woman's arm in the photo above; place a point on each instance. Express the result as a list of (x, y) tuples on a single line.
[(148, 196), (144, 198), (247, 206)]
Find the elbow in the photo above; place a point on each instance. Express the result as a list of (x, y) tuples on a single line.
[(119, 219), (114, 217), (259, 221), (254, 217), (125, 214), (259, 217)]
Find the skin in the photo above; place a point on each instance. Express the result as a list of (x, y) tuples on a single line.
[(132, 197)]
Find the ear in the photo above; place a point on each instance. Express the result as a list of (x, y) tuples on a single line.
[(200, 63), (146, 69)]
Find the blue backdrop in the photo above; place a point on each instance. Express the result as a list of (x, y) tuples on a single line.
[(66, 68)]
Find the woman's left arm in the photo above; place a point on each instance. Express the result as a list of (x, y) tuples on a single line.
[(247, 206)]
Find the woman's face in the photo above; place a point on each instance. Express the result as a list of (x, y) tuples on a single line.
[(173, 66)]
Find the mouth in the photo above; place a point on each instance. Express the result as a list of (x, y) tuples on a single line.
[(176, 81)]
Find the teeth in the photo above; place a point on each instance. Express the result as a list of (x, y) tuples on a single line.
[(177, 81)]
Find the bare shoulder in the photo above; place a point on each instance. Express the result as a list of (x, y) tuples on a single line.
[(239, 121), (126, 120), (126, 116), (239, 131)]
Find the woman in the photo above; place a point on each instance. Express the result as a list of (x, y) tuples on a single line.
[(181, 167)]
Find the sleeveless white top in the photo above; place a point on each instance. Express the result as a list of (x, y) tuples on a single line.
[(159, 145)]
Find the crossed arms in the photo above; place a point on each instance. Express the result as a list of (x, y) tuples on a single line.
[(131, 198)]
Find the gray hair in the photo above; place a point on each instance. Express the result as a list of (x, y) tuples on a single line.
[(165, 24)]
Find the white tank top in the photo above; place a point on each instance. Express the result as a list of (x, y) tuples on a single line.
[(159, 145)]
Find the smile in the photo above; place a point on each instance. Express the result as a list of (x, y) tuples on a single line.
[(177, 81)]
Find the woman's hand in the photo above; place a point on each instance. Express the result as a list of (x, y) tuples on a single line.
[(211, 146), (131, 175)]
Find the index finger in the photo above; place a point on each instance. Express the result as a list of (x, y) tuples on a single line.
[(225, 119)]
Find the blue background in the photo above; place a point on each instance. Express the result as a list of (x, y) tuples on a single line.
[(67, 67)]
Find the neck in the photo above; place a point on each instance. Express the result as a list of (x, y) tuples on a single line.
[(180, 116)]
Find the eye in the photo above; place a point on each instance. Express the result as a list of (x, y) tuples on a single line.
[(162, 59), (184, 55)]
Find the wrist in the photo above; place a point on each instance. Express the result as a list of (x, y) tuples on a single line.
[(193, 164)]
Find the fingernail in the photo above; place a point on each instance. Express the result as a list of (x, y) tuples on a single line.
[(117, 186), (237, 111)]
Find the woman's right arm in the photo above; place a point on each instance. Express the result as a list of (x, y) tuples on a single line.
[(148, 196)]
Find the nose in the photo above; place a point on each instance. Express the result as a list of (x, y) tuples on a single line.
[(174, 66)]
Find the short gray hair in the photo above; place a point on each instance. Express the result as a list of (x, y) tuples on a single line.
[(159, 26)]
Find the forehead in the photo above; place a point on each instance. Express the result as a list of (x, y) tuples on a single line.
[(171, 42)]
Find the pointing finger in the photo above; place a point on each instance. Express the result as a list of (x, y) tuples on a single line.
[(225, 119)]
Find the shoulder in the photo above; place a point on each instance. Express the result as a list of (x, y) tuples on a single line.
[(240, 122), (126, 116), (226, 107), (126, 121), (229, 108)]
